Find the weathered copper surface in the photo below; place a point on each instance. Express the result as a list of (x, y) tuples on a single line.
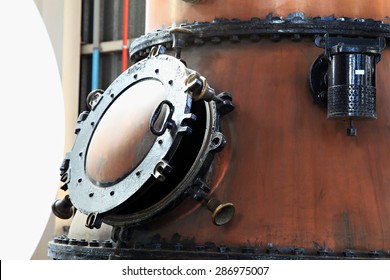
[(294, 177), (166, 12)]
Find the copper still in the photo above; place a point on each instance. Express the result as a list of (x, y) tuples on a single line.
[(259, 164)]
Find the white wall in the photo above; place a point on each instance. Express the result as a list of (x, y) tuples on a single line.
[(63, 23)]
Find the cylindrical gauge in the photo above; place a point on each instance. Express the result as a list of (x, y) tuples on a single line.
[(351, 83)]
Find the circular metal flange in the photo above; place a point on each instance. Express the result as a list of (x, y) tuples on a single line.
[(212, 141), (318, 80), (89, 195)]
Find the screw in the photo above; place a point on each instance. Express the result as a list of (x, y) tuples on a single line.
[(234, 39), (198, 41), (298, 251), (73, 241), (107, 244), (248, 250), (83, 242), (373, 253), (349, 253), (223, 249), (200, 248), (93, 97), (65, 240), (323, 252), (216, 40), (180, 36), (296, 37), (94, 243), (178, 247)]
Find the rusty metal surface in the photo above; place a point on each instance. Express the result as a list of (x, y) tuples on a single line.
[(294, 177), (166, 12), (64, 248)]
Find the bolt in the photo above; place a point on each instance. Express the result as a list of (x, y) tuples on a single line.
[(94, 243), (222, 249), (198, 41), (194, 85), (73, 241), (180, 36), (83, 242), (225, 103), (349, 253), (373, 253), (270, 249), (323, 252), (248, 250), (65, 240), (296, 37), (298, 251), (234, 39), (93, 97), (178, 246), (200, 248), (107, 244), (216, 40), (198, 87)]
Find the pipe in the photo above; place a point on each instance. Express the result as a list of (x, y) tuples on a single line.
[(125, 47), (95, 42)]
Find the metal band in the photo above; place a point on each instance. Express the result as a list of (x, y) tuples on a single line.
[(68, 249), (295, 26)]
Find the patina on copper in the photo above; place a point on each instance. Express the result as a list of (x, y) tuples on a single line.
[(294, 177)]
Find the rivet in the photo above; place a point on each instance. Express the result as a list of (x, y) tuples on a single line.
[(73, 241), (178, 246), (83, 242), (107, 244), (94, 243)]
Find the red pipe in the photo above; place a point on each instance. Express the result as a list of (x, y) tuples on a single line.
[(125, 47)]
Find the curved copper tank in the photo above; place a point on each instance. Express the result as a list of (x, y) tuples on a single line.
[(166, 12), (295, 178)]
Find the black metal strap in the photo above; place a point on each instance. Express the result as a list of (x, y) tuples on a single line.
[(295, 26)]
